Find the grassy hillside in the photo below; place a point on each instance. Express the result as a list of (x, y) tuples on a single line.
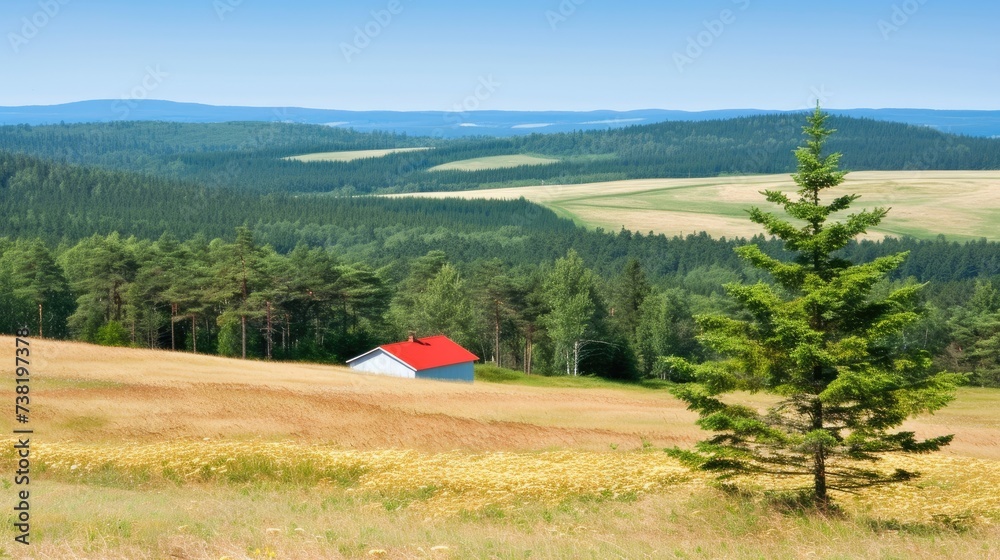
[(224, 398), (958, 204), (349, 466)]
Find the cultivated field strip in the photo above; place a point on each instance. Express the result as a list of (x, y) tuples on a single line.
[(350, 155), (493, 162), (958, 204)]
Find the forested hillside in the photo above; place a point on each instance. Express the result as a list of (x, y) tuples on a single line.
[(248, 156), (62, 204), (123, 144), (122, 258)]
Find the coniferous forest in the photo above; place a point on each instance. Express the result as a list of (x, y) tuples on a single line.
[(248, 156), (200, 238)]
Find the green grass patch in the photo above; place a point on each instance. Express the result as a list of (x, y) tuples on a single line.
[(57, 383), (491, 374), (395, 501), (113, 476), (254, 470), (84, 423), (260, 468)]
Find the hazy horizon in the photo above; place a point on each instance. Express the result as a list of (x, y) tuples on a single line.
[(593, 110)]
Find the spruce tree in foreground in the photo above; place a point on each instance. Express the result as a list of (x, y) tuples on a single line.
[(822, 343)]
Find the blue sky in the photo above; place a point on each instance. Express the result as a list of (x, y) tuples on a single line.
[(506, 54)]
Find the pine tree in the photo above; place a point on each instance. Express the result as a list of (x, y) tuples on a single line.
[(976, 333), (37, 278), (496, 299), (629, 290), (446, 308), (363, 296), (99, 270), (666, 328), (239, 276), (822, 342), (191, 287)]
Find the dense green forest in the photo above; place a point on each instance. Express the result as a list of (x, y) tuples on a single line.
[(62, 204), (121, 258), (240, 297), (248, 156)]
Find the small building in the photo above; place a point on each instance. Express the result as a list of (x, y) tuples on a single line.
[(434, 357)]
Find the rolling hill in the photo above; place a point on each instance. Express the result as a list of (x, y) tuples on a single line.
[(455, 124), (252, 156), (225, 398)]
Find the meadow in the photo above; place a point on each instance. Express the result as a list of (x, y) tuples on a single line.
[(154, 454), (350, 155), (959, 204), (493, 162)]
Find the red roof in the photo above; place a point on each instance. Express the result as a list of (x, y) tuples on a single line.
[(430, 352)]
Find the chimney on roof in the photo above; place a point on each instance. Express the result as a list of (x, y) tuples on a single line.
[(412, 336)]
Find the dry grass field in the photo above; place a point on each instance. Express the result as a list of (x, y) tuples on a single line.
[(492, 162), (151, 454), (350, 155), (959, 204)]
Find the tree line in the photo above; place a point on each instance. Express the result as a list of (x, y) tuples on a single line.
[(240, 297), (53, 208), (62, 204), (251, 156)]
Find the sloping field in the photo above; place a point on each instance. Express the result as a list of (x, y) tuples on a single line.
[(351, 155), (959, 204), (492, 162), (151, 454), (102, 393), (96, 393)]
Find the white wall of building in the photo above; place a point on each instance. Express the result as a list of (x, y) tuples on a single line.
[(383, 364)]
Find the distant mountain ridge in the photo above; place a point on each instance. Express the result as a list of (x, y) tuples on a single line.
[(453, 124)]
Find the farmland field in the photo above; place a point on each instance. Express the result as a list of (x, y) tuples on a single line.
[(492, 162), (351, 155), (959, 204), (151, 454)]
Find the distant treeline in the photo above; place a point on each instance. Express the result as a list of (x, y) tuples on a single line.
[(62, 204), (122, 258), (248, 156), (243, 298)]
